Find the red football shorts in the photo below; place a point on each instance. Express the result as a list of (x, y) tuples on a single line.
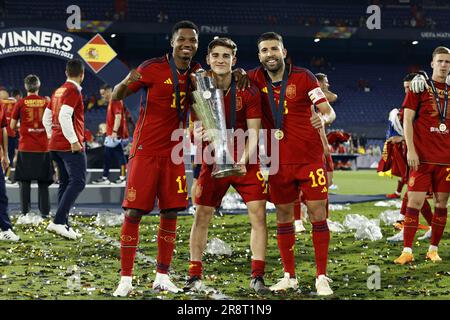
[(430, 175), (210, 191), (310, 179), (155, 177)]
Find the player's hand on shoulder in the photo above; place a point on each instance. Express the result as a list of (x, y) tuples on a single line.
[(242, 79), (418, 84), (316, 120)]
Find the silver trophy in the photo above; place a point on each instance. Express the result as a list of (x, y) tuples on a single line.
[(209, 107)]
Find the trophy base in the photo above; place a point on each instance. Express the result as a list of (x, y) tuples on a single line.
[(223, 173)]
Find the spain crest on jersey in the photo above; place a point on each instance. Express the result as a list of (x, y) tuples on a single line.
[(97, 53), (291, 91)]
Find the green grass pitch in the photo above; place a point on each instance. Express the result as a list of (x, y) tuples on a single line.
[(44, 266)]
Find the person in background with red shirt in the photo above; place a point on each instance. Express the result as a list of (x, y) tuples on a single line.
[(6, 232), (116, 130), (290, 118), (426, 124), (33, 159), (8, 105), (64, 123), (251, 186)]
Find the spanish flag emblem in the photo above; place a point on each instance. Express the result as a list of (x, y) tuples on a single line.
[(97, 53)]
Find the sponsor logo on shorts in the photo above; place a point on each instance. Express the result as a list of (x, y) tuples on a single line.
[(131, 194), (411, 182), (291, 91)]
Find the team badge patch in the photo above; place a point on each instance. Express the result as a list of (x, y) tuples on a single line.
[(291, 91), (131, 194), (411, 181), (238, 103)]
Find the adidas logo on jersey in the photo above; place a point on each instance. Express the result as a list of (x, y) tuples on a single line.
[(168, 81), (325, 189)]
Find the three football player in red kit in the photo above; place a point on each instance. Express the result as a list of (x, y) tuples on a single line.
[(287, 94), (243, 115), (426, 124)]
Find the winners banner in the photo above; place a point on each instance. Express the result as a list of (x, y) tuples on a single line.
[(96, 53), (15, 42)]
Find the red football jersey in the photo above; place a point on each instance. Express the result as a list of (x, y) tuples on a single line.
[(301, 142), (67, 94), (158, 117), (432, 145), (116, 107), (8, 106), (30, 110)]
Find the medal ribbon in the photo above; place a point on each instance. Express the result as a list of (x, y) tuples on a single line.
[(233, 104), (278, 113), (176, 88), (442, 113)]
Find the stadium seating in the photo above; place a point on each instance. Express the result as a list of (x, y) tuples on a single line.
[(235, 12)]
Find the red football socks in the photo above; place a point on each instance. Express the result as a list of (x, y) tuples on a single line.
[(426, 212), (195, 269), (286, 243), (258, 267), (321, 241), (410, 226), (166, 243), (438, 225), (129, 240)]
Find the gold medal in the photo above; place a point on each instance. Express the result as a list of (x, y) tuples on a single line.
[(442, 127), (279, 134)]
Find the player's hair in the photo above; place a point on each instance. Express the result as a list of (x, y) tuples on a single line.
[(16, 92), (74, 68), (440, 50), (320, 76), (105, 86), (32, 83), (185, 24), (409, 76), (222, 42), (269, 36)]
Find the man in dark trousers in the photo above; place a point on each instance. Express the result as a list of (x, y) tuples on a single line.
[(64, 123), (33, 158)]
